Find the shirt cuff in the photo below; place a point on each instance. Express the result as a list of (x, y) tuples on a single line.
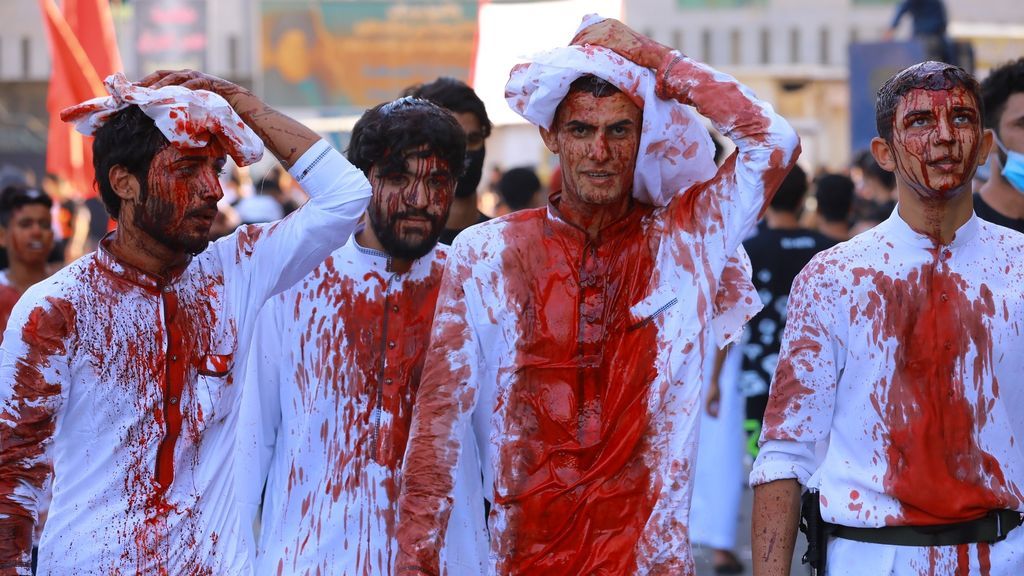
[(783, 459), (322, 168)]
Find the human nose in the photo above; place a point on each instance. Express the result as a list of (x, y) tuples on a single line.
[(416, 196), (943, 130), (599, 149)]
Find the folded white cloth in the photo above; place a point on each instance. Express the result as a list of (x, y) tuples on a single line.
[(675, 149), (187, 118)]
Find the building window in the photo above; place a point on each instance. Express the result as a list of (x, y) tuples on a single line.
[(824, 39), (705, 46), (233, 55), (766, 46), (794, 46), (26, 57), (735, 47)]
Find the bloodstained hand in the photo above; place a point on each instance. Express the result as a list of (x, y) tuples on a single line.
[(194, 80), (627, 42)]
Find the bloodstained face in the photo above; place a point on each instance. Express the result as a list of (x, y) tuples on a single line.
[(178, 204), (936, 141), (28, 237), (596, 140), (410, 207)]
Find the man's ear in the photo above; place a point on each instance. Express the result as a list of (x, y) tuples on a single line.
[(987, 139), (124, 183), (882, 152), (549, 139)]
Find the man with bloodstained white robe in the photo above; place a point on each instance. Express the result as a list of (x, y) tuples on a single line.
[(897, 395), (571, 337)]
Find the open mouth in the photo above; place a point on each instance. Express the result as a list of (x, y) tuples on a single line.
[(35, 245)]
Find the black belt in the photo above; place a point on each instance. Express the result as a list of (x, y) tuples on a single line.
[(993, 527)]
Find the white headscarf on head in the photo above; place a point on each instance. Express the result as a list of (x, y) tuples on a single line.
[(187, 118), (676, 151)]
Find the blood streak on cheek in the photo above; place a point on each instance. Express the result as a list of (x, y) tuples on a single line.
[(45, 334), (573, 481), (932, 425)]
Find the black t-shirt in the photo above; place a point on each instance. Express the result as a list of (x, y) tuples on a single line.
[(989, 214), (776, 257), (448, 234)]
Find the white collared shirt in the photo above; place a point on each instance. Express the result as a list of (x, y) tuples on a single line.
[(334, 371), (903, 362), (123, 378)]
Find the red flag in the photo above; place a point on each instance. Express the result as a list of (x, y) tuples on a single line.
[(83, 51)]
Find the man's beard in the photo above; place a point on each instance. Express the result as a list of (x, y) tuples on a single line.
[(386, 230), (154, 217)]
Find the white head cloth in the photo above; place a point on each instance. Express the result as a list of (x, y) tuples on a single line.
[(187, 118), (675, 149)]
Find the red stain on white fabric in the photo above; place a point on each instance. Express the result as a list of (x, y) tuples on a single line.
[(187, 118), (336, 368), (577, 362)]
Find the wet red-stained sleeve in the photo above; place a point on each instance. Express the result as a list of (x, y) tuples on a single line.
[(728, 205), (30, 397), (802, 398), (443, 406)]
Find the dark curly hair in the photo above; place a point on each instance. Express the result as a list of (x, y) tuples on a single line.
[(454, 95), (387, 132), (927, 76), (1002, 82), (17, 196), (129, 139)]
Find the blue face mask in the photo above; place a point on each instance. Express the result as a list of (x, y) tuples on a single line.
[(1013, 168)]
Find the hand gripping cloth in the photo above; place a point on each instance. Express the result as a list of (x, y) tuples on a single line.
[(187, 118)]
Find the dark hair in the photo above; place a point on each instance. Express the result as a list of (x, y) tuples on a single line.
[(388, 131), (16, 196), (871, 170), (454, 95), (517, 187), (929, 75), (129, 139), (1001, 83), (790, 195), (834, 194)]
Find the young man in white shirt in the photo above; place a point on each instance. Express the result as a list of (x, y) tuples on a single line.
[(336, 362), (571, 337), (120, 367), (896, 395)]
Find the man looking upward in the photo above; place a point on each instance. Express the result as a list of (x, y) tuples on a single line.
[(896, 394)]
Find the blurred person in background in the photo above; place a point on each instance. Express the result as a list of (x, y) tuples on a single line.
[(1001, 199), (468, 109), (929, 22), (874, 194), (357, 330), (777, 254), (279, 188), (519, 188), (833, 194), (26, 234)]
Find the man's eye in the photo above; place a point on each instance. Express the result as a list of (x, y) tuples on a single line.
[(579, 130), (397, 180), (918, 122), (962, 119), (619, 131), (438, 181)]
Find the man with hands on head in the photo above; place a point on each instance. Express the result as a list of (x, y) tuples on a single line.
[(571, 337), (120, 368)]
